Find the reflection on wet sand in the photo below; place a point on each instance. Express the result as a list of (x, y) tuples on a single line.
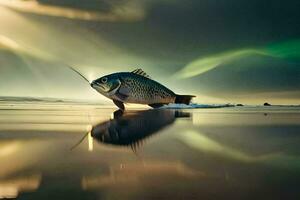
[(199, 141), (10, 188), (208, 157), (133, 173), (133, 128)]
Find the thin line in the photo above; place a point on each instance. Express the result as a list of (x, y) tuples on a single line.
[(79, 142), (79, 74)]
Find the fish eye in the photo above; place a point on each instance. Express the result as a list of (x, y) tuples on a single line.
[(104, 79)]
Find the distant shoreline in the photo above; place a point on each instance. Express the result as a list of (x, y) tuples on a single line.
[(48, 100)]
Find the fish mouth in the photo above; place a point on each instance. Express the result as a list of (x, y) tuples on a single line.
[(95, 85), (101, 86)]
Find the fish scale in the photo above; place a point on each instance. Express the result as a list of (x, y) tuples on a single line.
[(143, 89)]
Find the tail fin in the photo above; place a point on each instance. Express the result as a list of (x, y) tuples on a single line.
[(184, 99)]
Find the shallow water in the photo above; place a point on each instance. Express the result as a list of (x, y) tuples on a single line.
[(80, 152)]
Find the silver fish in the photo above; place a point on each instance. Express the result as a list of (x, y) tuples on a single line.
[(137, 87)]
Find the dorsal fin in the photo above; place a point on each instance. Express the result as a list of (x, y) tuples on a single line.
[(140, 72)]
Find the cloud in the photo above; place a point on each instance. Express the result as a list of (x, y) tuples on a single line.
[(127, 11)]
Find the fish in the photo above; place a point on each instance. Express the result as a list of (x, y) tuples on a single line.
[(137, 87), (133, 128)]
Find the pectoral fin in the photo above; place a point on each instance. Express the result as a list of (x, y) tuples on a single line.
[(122, 93), (119, 104), (121, 96)]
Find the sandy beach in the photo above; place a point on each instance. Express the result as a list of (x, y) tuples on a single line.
[(82, 152)]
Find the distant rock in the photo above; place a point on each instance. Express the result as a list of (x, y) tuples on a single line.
[(239, 104), (267, 104)]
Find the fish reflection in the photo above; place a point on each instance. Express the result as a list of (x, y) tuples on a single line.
[(132, 128)]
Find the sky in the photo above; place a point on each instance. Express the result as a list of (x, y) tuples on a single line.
[(223, 51)]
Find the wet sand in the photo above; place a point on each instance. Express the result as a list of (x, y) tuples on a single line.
[(69, 151)]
